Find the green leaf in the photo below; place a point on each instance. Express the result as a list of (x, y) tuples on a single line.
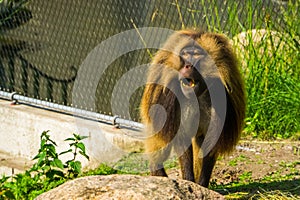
[(45, 134), (64, 152), (51, 174), (46, 168), (51, 151), (4, 178), (72, 144), (70, 139), (76, 136), (76, 166), (41, 157), (80, 146), (85, 155), (36, 157), (57, 163), (9, 194), (83, 137), (50, 147), (54, 143), (43, 142), (79, 137)]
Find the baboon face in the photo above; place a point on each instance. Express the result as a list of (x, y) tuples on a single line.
[(192, 60)]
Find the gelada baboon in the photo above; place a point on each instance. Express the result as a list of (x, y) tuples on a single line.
[(177, 107)]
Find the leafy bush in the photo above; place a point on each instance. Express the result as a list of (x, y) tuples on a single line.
[(47, 173)]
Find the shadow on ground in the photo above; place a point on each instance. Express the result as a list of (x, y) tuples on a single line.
[(291, 187)]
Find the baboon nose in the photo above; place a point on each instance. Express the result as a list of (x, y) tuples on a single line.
[(189, 66)]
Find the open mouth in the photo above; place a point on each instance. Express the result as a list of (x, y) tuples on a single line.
[(188, 82)]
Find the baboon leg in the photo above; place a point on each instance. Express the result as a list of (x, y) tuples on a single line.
[(156, 160), (197, 157), (186, 162), (203, 166), (208, 164), (157, 169)]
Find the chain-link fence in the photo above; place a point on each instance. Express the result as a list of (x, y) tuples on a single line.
[(43, 43)]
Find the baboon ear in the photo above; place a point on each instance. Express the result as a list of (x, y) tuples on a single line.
[(221, 39)]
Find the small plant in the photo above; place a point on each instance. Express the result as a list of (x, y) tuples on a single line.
[(74, 166), (48, 163), (235, 161), (47, 173), (246, 176)]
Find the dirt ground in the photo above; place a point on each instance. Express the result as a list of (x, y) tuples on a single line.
[(261, 158), (256, 160)]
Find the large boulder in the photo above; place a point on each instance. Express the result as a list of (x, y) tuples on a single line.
[(129, 187)]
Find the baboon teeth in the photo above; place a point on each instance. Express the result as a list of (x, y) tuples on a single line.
[(188, 82)]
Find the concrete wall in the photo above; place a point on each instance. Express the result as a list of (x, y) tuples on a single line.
[(22, 125)]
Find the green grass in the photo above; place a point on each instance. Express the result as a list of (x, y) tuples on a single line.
[(136, 163), (234, 161), (272, 82)]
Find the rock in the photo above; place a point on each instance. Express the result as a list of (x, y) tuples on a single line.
[(262, 43), (129, 187), (257, 36)]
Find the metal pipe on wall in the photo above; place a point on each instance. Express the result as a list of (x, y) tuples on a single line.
[(113, 120)]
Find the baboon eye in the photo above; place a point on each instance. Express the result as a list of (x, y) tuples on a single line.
[(198, 54), (184, 52)]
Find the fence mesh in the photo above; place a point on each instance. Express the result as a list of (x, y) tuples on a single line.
[(43, 43)]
